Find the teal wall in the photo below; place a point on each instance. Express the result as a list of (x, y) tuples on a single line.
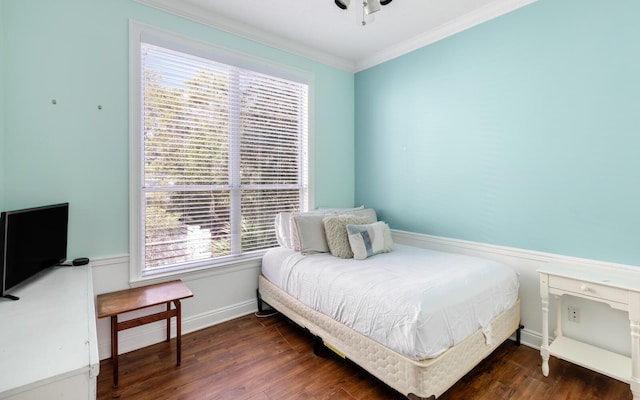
[(2, 94), (519, 132), (523, 131), (76, 52)]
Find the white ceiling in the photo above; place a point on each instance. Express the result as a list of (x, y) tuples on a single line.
[(319, 30)]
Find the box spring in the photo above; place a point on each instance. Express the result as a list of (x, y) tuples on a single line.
[(414, 379)]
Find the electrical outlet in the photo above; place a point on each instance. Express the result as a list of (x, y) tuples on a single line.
[(573, 314)]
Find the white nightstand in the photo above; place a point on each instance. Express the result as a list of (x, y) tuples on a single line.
[(620, 289)]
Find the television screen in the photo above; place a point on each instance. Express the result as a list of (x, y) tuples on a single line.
[(33, 240)]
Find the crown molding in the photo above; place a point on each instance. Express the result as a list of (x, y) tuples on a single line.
[(469, 20), (464, 22), (213, 20)]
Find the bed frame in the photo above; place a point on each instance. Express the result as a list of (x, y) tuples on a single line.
[(425, 379)]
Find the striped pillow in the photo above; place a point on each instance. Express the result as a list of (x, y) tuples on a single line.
[(369, 240)]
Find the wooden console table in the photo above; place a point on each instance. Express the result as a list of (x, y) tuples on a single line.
[(112, 304), (619, 289)]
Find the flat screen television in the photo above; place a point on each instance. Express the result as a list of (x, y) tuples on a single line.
[(32, 240)]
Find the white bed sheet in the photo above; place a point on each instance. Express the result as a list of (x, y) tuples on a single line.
[(417, 302)]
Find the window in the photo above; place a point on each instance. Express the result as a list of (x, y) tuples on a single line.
[(217, 150)]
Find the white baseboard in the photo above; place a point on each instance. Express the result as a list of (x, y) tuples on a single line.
[(529, 338)]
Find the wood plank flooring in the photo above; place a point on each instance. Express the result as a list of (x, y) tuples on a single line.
[(253, 358)]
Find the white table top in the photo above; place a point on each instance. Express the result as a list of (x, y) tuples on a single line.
[(620, 278)]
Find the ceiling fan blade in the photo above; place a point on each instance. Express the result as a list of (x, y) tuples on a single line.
[(343, 3)]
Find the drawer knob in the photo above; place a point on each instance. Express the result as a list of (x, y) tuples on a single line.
[(585, 288)]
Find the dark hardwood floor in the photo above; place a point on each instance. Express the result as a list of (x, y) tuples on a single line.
[(271, 359)]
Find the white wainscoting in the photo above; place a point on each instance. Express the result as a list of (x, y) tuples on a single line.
[(599, 324), (222, 294)]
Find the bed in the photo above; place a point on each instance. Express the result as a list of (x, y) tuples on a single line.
[(416, 319)]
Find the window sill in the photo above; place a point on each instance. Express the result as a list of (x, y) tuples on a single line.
[(195, 273)]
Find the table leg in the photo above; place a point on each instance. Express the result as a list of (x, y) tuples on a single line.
[(635, 364), (544, 348), (114, 348), (168, 322), (178, 331), (558, 331), (634, 327)]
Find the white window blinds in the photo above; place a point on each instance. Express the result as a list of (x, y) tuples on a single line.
[(224, 150)]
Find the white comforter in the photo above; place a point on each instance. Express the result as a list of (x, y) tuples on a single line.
[(415, 301)]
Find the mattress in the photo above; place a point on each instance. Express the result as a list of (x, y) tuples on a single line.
[(416, 302)]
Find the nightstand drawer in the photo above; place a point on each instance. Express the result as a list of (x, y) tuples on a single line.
[(589, 289)]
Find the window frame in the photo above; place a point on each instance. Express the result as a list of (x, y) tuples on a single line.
[(138, 33)]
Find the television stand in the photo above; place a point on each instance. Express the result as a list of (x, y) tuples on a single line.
[(11, 297), (48, 339)]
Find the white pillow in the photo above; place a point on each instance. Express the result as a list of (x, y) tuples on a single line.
[(338, 210), (307, 233), (283, 232), (369, 213), (369, 240), (282, 224)]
